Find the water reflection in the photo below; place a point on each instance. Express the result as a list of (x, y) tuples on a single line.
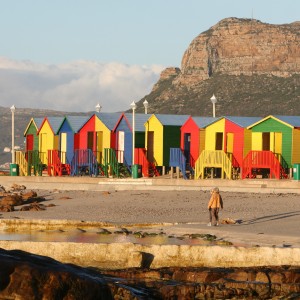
[(77, 236)]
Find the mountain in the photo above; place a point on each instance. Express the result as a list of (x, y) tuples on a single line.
[(253, 68)]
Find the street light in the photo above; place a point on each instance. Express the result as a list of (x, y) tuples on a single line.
[(213, 100), (98, 108), (12, 109), (133, 106), (146, 104)]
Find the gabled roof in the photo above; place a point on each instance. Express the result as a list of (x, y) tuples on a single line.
[(171, 120), (243, 121), (204, 121), (75, 122), (54, 123), (37, 123), (139, 121), (108, 119), (291, 121)]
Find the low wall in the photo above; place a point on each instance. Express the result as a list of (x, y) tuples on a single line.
[(127, 255), (104, 184)]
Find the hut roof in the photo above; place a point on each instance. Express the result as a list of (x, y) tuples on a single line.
[(204, 121), (76, 122), (108, 119), (243, 121), (171, 120), (139, 120)]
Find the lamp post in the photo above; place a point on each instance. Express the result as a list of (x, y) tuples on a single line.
[(146, 104), (98, 108), (133, 106), (12, 109), (213, 100)]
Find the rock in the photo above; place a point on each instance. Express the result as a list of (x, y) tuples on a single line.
[(12, 199), (17, 187), (29, 195), (33, 207), (228, 221), (7, 208)]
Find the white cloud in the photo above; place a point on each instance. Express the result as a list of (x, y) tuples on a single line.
[(76, 86)]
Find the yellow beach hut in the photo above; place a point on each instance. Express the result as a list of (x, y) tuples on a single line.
[(48, 138), (162, 133)]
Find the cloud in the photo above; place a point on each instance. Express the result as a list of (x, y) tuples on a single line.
[(75, 86)]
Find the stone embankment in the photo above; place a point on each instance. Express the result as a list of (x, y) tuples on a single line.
[(44, 278)]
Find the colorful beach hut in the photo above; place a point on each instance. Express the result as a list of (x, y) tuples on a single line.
[(123, 136), (48, 139), (227, 141), (30, 134), (69, 137), (28, 160), (162, 134), (192, 137), (275, 147)]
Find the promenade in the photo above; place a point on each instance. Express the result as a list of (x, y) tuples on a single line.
[(159, 183)]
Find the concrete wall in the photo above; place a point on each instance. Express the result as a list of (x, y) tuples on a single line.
[(127, 255)]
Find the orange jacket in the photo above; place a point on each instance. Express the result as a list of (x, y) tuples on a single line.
[(215, 201)]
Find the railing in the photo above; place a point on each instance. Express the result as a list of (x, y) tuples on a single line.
[(177, 159), (148, 168), (111, 162), (84, 161), (262, 160), (20, 159), (141, 159), (55, 165), (35, 164), (213, 159)]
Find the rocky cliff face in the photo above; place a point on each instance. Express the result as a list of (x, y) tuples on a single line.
[(239, 60), (242, 46)]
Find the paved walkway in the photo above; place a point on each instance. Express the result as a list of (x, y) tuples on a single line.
[(159, 183)]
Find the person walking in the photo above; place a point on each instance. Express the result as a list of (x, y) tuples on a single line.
[(214, 205)]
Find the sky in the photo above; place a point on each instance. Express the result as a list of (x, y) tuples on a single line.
[(69, 55)]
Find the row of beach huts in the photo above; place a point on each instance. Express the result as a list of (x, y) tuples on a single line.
[(101, 144)]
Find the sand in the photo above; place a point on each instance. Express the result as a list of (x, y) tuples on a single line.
[(262, 219)]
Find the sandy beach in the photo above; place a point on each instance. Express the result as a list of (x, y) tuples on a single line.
[(262, 219)]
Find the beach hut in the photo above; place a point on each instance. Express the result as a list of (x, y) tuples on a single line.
[(162, 134), (96, 144), (30, 134), (275, 147), (227, 140), (28, 160), (69, 137), (123, 136), (192, 137), (48, 139)]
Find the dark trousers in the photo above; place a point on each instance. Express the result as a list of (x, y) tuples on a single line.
[(213, 215)]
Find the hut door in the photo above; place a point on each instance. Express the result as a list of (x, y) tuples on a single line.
[(150, 146), (90, 140), (43, 147), (219, 141), (229, 146), (99, 143), (63, 147), (29, 142), (120, 147), (266, 141), (278, 142), (187, 147)]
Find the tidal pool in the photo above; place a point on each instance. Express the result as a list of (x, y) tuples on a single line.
[(78, 236)]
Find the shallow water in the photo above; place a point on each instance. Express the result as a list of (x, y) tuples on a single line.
[(93, 237)]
